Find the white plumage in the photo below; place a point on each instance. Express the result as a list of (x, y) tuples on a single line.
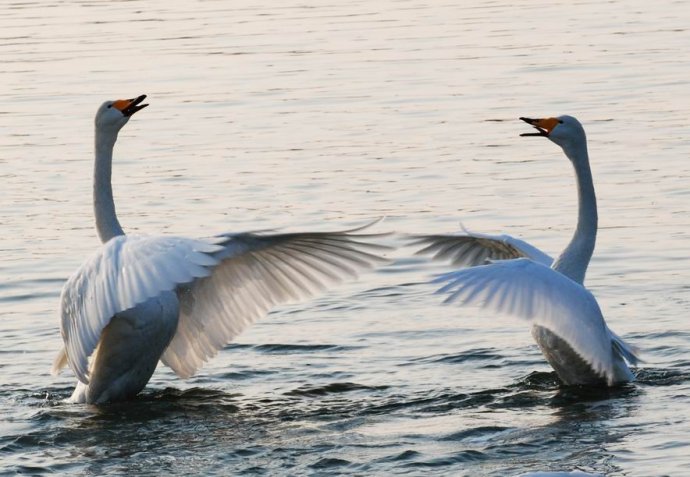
[(139, 299), (511, 276)]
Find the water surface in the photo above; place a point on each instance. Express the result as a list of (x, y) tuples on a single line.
[(325, 116)]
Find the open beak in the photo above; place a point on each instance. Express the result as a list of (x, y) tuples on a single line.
[(543, 126), (130, 106)]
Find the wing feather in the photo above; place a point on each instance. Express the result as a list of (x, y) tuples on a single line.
[(258, 272), (470, 249), (126, 271), (534, 292)]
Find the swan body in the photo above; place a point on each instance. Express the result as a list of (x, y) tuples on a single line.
[(142, 299), (511, 276)]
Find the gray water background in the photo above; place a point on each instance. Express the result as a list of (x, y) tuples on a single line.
[(325, 115)]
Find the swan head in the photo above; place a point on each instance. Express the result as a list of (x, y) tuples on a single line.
[(112, 115), (566, 131)]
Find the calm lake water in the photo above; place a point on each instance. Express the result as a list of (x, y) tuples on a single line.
[(325, 115)]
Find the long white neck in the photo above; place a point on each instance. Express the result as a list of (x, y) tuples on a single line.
[(574, 260), (107, 224)]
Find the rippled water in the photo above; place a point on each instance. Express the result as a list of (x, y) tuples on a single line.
[(324, 116)]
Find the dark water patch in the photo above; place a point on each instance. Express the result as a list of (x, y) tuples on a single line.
[(295, 348), (662, 376), (239, 375), (518, 400), (333, 409), (539, 380), (477, 354), (157, 429), (329, 463), (476, 433), (331, 375), (32, 283), (453, 401), (684, 364), (545, 389), (667, 351), (287, 348), (432, 403), (24, 441), (29, 470), (406, 455), (414, 461), (28, 296), (332, 388), (148, 405), (397, 403), (238, 346), (659, 336), (538, 390), (594, 393), (190, 395), (469, 455), (548, 381)]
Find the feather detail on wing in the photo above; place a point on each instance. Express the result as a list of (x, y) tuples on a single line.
[(626, 351), (535, 292), (470, 249), (257, 272), (126, 271)]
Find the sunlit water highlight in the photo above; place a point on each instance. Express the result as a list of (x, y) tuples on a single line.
[(324, 116)]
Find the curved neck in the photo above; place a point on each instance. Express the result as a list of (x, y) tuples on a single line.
[(107, 224), (574, 260)]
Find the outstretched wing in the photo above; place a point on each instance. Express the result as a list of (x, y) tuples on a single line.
[(258, 272), (470, 249), (126, 271), (535, 292)]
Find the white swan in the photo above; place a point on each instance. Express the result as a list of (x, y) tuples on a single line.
[(521, 280), (140, 299)]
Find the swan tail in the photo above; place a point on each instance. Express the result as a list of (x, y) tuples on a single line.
[(59, 362), (621, 348)]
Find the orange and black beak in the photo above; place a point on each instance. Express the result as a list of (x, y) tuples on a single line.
[(544, 126), (130, 106)]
